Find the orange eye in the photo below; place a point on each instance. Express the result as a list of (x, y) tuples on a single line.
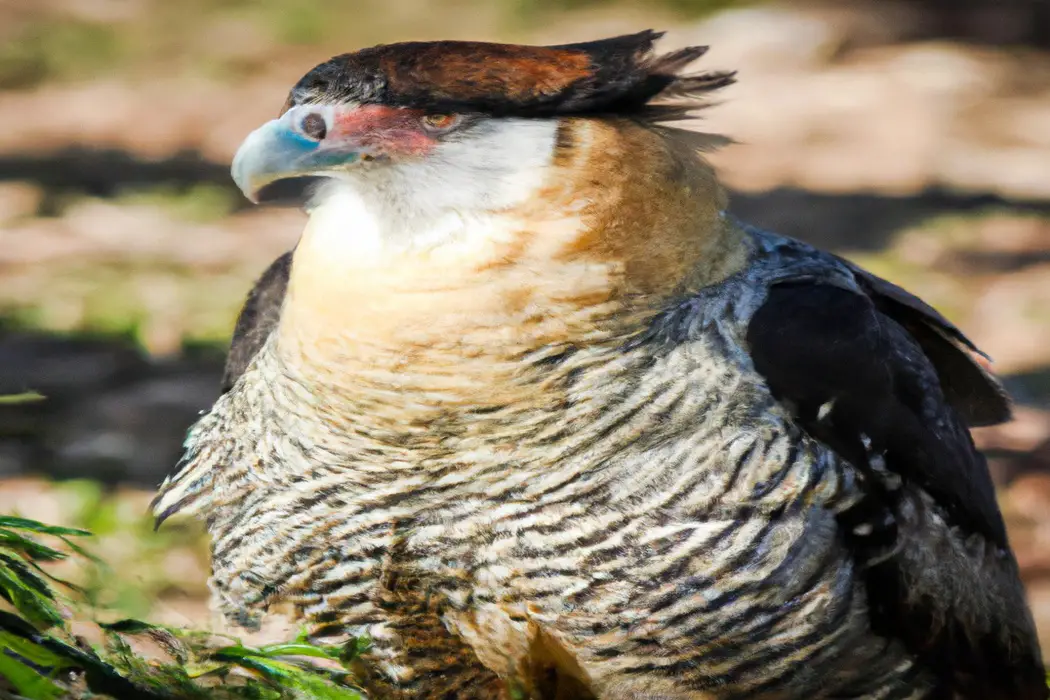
[(440, 122)]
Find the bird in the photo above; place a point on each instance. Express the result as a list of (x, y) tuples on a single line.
[(529, 410)]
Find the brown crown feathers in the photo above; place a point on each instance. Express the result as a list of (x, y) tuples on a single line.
[(619, 75)]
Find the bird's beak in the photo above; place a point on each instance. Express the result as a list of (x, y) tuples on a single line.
[(305, 141)]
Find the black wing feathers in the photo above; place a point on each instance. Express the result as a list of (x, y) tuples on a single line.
[(258, 317), (973, 392), (818, 343), (859, 375)]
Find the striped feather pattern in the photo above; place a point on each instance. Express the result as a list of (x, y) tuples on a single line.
[(649, 522)]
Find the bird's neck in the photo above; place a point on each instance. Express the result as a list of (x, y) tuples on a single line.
[(622, 221)]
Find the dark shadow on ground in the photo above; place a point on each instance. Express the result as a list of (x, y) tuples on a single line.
[(108, 172), (110, 412), (861, 221), (985, 262)]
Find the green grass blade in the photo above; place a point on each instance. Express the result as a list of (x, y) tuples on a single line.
[(198, 665), (297, 649), (29, 548), (81, 551), (29, 593), (15, 523), (33, 651), (309, 684), (25, 397), (26, 681)]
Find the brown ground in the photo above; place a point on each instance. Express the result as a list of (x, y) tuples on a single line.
[(115, 210)]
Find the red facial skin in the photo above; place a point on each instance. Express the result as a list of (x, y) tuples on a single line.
[(383, 130)]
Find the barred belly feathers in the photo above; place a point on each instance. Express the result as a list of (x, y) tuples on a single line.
[(530, 411)]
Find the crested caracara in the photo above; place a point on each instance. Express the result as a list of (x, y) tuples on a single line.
[(530, 411)]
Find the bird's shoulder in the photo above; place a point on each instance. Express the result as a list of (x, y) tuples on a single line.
[(258, 317)]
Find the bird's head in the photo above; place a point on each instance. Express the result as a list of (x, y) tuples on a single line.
[(419, 131)]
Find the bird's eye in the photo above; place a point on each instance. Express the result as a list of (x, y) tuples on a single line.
[(440, 122), (313, 126)]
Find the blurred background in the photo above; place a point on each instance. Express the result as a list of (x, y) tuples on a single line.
[(912, 136)]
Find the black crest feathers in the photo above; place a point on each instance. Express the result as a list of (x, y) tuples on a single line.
[(618, 75)]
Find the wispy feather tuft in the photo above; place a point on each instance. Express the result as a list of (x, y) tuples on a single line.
[(617, 76)]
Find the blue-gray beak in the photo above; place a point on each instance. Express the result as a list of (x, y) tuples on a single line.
[(301, 143)]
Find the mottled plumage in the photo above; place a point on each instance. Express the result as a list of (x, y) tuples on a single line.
[(529, 410)]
